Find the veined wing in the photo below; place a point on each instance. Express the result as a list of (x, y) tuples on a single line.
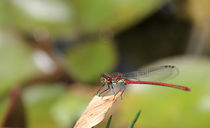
[(159, 73)]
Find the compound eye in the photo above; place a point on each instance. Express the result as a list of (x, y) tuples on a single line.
[(108, 79)]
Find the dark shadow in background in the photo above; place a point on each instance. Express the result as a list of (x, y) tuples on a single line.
[(161, 35)]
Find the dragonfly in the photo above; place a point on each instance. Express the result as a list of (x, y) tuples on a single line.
[(148, 76)]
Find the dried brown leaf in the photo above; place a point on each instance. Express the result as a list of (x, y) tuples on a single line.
[(95, 111)]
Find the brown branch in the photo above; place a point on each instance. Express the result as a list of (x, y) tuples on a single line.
[(15, 115)]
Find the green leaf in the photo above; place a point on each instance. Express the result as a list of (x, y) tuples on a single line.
[(109, 122), (68, 108), (135, 119), (96, 15), (39, 101), (89, 59), (16, 62), (55, 16)]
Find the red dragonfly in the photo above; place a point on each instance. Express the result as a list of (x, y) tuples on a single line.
[(150, 76)]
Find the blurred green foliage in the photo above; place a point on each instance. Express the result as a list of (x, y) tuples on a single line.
[(94, 15), (16, 63), (87, 61), (39, 101), (52, 106), (84, 35)]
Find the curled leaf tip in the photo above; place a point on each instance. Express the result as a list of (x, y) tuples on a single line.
[(96, 110)]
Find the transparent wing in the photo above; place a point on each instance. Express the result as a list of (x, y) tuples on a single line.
[(160, 73)]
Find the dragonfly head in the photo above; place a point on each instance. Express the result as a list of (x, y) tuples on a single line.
[(105, 79)]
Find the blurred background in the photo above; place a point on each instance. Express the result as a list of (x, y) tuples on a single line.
[(52, 53)]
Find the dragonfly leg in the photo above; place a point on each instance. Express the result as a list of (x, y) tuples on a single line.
[(106, 90), (120, 89), (113, 90), (100, 88), (122, 92)]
